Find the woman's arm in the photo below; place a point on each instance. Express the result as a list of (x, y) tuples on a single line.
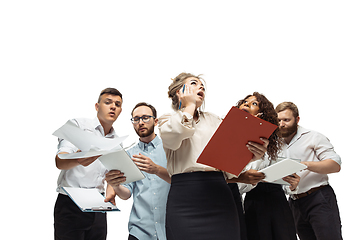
[(174, 128)]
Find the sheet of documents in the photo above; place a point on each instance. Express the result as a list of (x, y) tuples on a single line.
[(281, 182), (227, 149), (281, 169), (89, 200), (120, 160), (84, 140), (113, 156), (91, 153)]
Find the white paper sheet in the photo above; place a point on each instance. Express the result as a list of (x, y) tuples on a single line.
[(281, 182), (120, 160), (88, 154), (114, 157), (89, 200), (86, 140), (281, 169)]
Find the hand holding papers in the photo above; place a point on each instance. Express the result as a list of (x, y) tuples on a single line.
[(227, 149), (113, 156), (87, 142), (281, 169), (121, 161), (89, 200)]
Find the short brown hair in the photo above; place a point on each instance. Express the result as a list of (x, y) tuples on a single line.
[(146, 105), (176, 85), (112, 91), (288, 105)]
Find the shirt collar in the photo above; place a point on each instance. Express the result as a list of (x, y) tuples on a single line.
[(154, 143), (300, 132), (97, 125), (200, 115)]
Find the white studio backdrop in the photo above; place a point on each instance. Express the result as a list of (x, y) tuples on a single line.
[(56, 57)]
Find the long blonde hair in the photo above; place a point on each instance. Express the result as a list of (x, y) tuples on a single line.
[(177, 84)]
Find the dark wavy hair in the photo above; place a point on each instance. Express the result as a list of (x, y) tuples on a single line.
[(268, 114)]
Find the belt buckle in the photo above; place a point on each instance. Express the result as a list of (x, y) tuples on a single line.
[(295, 197)]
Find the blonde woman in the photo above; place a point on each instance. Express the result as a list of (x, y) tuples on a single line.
[(200, 204)]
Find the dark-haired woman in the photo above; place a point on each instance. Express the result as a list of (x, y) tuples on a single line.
[(267, 212)]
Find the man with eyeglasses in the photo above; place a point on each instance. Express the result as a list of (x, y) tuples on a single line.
[(147, 217)]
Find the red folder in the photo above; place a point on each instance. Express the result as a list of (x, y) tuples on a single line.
[(227, 149)]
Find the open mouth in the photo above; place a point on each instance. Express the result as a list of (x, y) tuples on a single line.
[(112, 114), (201, 94)]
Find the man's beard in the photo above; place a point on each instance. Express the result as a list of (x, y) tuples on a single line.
[(286, 132), (146, 133)]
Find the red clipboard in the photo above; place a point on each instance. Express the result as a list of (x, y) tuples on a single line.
[(226, 150)]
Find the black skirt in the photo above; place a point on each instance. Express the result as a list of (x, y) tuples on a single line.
[(201, 206)]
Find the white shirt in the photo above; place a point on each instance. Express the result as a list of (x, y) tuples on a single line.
[(310, 146), (92, 176)]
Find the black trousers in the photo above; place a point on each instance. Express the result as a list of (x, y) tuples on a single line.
[(70, 223), (201, 206), (267, 214), (317, 215)]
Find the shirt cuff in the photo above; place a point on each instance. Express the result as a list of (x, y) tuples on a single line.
[(187, 120), (289, 192)]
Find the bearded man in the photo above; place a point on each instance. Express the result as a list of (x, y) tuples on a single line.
[(147, 217), (313, 203)]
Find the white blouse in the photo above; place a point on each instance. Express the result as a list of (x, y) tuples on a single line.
[(184, 139)]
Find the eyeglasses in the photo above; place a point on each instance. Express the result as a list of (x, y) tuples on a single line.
[(145, 119)]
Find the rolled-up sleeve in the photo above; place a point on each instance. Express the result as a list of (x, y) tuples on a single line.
[(174, 128), (324, 149), (66, 146)]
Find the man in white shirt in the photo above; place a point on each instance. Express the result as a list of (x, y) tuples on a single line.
[(314, 203), (69, 221)]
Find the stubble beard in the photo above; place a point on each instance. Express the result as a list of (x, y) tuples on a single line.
[(146, 133)]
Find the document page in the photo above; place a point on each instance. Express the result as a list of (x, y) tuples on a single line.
[(281, 169), (89, 200), (91, 153), (86, 140), (120, 160), (113, 156)]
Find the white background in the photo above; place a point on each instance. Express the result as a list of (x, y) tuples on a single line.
[(56, 57)]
